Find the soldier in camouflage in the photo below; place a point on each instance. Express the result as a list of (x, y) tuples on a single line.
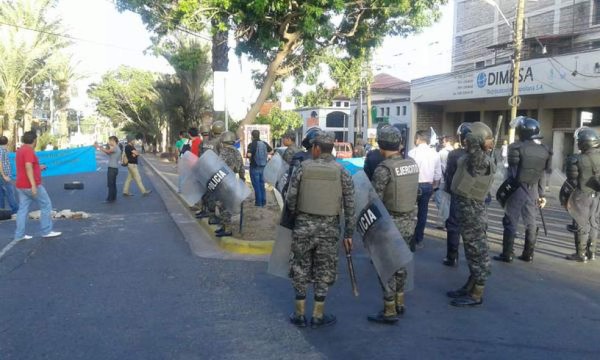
[(214, 144), (396, 181), (232, 157), (470, 186), (320, 191), (289, 140)]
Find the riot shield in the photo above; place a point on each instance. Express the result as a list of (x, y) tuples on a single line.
[(578, 206), (384, 243), (279, 262), (444, 209), (216, 178), (275, 169), (191, 191)]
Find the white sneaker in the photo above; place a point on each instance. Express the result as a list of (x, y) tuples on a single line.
[(52, 234), (25, 237)]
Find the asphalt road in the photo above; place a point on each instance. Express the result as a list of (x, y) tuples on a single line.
[(125, 285)]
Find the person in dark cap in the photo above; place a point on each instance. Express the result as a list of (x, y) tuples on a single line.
[(132, 168), (320, 191)]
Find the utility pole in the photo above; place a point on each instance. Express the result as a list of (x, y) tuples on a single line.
[(515, 100), (369, 114)]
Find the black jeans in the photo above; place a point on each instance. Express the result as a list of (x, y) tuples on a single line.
[(112, 184)]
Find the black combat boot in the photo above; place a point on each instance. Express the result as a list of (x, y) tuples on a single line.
[(580, 251), (319, 318), (473, 298), (508, 241), (388, 315), (223, 231), (591, 250), (451, 259), (463, 291), (400, 303), (530, 239), (202, 214), (572, 227), (297, 317)]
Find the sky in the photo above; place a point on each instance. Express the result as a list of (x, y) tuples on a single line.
[(114, 39)]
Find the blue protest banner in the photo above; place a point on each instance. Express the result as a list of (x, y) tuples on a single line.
[(353, 165), (64, 162)]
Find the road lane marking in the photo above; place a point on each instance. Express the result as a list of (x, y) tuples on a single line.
[(8, 247)]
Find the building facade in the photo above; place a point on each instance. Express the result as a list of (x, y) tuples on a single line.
[(332, 118), (559, 75)]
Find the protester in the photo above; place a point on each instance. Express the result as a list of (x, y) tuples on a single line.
[(30, 189), (258, 152), (114, 154), (195, 141), (7, 188), (183, 140), (132, 168), (430, 173)]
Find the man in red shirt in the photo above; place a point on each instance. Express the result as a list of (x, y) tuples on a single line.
[(196, 141), (30, 189)]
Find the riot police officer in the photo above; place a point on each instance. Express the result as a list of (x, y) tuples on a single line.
[(452, 228), (214, 143), (470, 186), (528, 162), (583, 172), (396, 182)]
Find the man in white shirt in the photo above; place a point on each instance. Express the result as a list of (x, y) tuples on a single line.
[(430, 173)]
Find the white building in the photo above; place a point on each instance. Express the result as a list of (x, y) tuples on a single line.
[(559, 75), (332, 118)]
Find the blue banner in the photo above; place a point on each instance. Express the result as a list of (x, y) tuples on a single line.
[(64, 162), (353, 165)]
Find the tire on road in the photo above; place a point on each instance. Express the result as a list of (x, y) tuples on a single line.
[(5, 214), (74, 185)]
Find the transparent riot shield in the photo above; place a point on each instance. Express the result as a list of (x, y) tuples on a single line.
[(191, 190), (279, 262), (275, 169), (375, 228), (215, 177)]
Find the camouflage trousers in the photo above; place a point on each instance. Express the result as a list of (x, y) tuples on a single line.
[(405, 222), (313, 259), (472, 219), (209, 203), (224, 214)]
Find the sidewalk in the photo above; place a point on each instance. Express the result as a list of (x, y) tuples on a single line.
[(261, 240)]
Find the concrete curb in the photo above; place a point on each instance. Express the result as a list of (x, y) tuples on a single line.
[(227, 243)]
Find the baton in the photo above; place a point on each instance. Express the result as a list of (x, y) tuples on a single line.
[(351, 270), (543, 221)]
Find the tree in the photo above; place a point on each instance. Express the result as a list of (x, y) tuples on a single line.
[(28, 44), (288, 35), (127, 96), (280, 121)]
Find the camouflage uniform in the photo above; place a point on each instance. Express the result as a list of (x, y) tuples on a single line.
[(405, 222), (208, 201), (232, 157), (472, 217), (314, 252), (289, 153)]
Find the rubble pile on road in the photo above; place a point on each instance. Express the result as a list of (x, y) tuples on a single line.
[(63, 214)]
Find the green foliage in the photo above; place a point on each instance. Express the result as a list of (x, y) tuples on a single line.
[(27, 58), (280, 121), (45, 139), (288, 36), (127, 96)]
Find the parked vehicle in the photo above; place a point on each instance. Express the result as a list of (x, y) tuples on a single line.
[(343, 150)]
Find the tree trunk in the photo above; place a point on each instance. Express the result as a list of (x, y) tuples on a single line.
[(10, 109), (271, 76)]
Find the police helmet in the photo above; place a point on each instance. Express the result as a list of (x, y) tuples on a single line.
[(587, 138), (228, 137), (482, 134), (527, 128), (204, 129), (389, 138), (462, 131), (218, 127), (310, 136)]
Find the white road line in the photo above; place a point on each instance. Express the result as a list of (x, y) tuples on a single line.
[(8, 247)]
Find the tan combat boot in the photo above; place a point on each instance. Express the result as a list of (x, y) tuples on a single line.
[(297, 317), (319, 318)]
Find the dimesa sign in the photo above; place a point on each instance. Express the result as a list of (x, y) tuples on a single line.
[(576, 72)]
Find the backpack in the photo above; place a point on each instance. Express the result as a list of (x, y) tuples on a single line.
[(260, 156), (124, 160), (184, 148)]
